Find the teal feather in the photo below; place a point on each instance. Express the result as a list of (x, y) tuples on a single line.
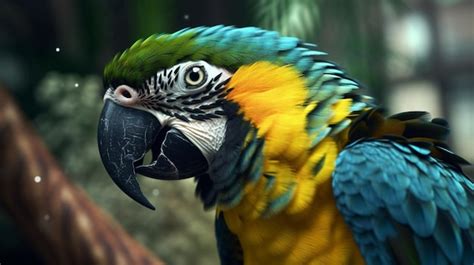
[(270, 182), (339, 127), (303, 64), (293, 55), (280, 202), (425, 248), (308, 53), (420, 215), (448, 236), (334, 71), (394, 186), (319, 136), (421, 187), (443, 199), (315, 72), (256, 169), (383, 228), (398, 214), (287, 43), (247, 157)]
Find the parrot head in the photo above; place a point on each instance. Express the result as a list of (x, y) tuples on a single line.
[(175, 113), (193, 97), (164, 94)]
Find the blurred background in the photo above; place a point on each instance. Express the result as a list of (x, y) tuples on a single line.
[(409, 54)]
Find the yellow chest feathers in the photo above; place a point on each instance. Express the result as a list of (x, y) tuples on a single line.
[(289, 215), (317, 235)]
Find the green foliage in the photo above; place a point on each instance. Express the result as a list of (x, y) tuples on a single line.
[(179, 231), (71, 104), (297, 18)]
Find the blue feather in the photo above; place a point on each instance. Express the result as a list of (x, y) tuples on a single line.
[(364, 223), (388, 194), (383, 228), (442, 199), (319, 136), (448, 237), (420, 150), (304, 63), (293, 55), (370, 195), (457, 192), (421, 188), (391, 182), (281, 201), (398, 214), (359, 205), (349, 188), (337, 128), (287, 43), (426, 247), (358, 106), (402, 148), (256, 169), (313, 53), (420, 215)]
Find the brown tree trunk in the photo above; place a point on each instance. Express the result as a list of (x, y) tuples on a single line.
[(55, 216)]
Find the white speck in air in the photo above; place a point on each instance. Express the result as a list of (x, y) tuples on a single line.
[(46, 217), (156, 192), (37, 179), (186, 17), (76, 85), (57, 49)]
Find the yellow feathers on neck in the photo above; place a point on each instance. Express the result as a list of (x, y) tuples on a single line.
[(271, 97), (264, 89)]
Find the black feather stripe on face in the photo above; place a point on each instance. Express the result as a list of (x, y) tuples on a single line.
[(166, 92)]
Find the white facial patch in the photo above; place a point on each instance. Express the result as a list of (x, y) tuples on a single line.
[(207, 135)]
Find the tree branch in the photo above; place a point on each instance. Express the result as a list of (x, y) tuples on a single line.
[(60, 221)]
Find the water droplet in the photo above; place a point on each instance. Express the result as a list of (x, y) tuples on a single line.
[(156, 192), (186, 16), (37, 179), (46, 217), (57, 49), (76, 85)]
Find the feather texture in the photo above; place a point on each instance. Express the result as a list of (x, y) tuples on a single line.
[(409, 195)]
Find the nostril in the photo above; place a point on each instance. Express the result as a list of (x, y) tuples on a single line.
[(126, 94)]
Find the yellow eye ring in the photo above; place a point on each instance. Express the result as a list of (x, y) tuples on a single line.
[(195, 76)]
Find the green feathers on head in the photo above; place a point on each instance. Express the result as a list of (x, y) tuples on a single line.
[(145, 57), (222, 46)]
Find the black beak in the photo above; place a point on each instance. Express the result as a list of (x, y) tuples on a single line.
[(125, 135)]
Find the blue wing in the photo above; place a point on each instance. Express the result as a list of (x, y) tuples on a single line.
[(228, 245), (403, 205)]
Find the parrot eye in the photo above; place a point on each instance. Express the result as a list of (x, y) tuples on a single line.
[(195, 76)]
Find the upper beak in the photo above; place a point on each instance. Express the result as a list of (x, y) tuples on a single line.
[(125, 135)]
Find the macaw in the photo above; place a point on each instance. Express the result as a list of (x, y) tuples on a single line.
[(300, 167)]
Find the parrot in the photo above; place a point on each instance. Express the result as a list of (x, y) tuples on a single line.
[(299, 165)]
